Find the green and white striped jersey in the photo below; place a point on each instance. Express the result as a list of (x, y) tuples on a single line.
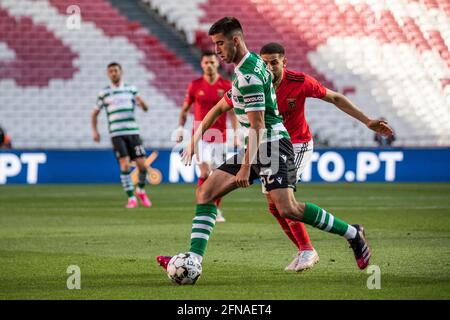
[(253, 91), (119, 103)]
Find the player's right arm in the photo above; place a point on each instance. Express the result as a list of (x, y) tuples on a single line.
[(187, 103), (95, 112), (347, 106), (94, 116), (211, 117), (182, 120)]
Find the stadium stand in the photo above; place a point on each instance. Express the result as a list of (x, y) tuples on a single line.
[(391, 57), (52, 74)]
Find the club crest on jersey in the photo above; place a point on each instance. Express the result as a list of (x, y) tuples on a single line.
[(220, 93), (291, 103), (201, 93)]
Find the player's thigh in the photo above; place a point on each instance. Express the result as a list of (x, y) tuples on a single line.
[(268, 199), (218, 184), (205, 169), (284, 200), (124, 163)]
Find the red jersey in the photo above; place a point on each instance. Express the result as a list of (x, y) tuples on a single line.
[(291, 95), (205, 96)]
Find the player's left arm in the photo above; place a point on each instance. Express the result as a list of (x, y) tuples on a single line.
[(213, 114), (347, 106), (141, 103), (234, 126)]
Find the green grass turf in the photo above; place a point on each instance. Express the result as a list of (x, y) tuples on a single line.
[(44, 229)]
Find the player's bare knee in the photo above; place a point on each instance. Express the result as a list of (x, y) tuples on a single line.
[(141, 166), (204, 195), (284, 211), (289, 211)]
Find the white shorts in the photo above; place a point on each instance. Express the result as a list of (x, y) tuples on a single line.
[(303, 153), (214, 154)]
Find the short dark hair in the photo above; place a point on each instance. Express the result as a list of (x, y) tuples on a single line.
[(272, 48), (114, 64), (227, 26), (207, 53)]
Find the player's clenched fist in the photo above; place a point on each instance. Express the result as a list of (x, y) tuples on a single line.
[(242, 177), (96, 136), (381, 127)]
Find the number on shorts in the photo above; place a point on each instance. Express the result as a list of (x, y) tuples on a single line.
[(139, 150)]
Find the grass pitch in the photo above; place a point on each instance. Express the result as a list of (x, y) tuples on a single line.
[(44, 229)]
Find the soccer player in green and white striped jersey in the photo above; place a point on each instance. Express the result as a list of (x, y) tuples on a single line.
[(268, 155), (119, 100)]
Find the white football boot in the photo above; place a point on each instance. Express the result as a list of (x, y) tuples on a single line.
[(306, 260), (291, 266)]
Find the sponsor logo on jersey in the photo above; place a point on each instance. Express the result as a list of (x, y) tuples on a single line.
[(254, 98), (201, 93)]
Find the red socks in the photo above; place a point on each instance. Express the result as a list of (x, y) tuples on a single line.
[(295, 230)]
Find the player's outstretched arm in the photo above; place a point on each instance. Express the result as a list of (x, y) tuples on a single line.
[(95, 133), (344, 104), (211, 117), (234, 126), (141, 103)]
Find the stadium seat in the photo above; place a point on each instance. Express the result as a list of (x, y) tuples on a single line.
[(393, 55)]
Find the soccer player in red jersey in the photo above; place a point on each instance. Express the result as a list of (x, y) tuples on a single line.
[(292, 88), (204, 93), (227, 36)]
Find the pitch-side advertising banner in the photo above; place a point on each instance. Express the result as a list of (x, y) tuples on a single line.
[(165, 166)]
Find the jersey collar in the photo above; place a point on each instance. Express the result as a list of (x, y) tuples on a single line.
[(115, 87), (242, 61)]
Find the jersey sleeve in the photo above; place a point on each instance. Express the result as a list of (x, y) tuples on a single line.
[(228, 97), (190, 96), (134, 91), (313, 88), (252, 90), (100, 101)]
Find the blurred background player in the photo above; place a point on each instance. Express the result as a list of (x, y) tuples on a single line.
[(119, 100), (292, 88), (204, 93), (5, 140)]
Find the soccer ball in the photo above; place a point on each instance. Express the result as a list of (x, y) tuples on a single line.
[(184, 269)]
